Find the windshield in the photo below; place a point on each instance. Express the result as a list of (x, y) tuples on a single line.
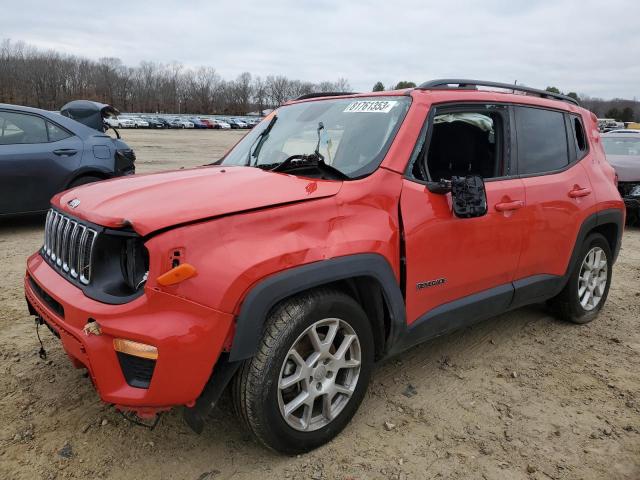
[(351, 134), (621, 145)]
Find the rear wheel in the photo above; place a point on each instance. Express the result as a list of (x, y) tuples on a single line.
[(310, 373), (586, 291)]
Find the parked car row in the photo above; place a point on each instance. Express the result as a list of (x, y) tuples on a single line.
[(155, 122)]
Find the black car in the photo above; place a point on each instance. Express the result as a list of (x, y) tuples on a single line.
[(165, 123), (154, 122), (43, 153)]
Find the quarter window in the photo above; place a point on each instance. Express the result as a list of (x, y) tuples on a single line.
[(18, 128), (542, 140), (580, 137), (56, 133)]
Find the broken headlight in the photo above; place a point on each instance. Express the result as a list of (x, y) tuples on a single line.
[(134, 262)]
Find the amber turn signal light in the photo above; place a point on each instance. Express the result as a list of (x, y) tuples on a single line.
[(134, 348), (177, 274)]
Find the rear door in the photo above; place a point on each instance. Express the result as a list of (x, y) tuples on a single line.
[(452, 262), (36, 158), (551, 150)]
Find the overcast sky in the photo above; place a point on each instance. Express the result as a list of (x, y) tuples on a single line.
[(588, 46)]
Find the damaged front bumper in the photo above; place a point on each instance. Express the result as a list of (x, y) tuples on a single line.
[(188, 337)]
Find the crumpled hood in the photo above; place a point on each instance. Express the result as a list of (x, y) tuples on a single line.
[(627, 167), (156, 201)]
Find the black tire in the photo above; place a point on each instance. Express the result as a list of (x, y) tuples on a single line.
[(255, 387), (566, 305), (84, 180)]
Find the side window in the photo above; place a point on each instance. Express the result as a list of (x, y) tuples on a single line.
[(16, 128), (582, 147), (542, 140), (56, 133), (463, 142)]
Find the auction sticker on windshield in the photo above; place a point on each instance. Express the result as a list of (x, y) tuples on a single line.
[(371, 106)]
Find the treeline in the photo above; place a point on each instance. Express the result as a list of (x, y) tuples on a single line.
[(619, 109), (48, 79)]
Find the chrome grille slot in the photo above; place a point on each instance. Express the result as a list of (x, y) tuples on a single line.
[(69, 246)]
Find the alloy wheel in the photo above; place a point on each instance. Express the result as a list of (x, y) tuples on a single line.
[(319, 374), (592, 280)]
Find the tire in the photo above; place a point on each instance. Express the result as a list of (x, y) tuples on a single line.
[(257, 396), (575, 303), (84, 180)]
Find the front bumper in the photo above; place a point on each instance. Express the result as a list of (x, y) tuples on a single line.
[(632, 202), (189, 338)]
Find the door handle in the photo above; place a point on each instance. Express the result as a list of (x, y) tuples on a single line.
[(65, 152), (509, 206), (579, 192)]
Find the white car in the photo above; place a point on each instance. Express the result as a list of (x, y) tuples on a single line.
[(112, 121), (221, 124), (124, 122), (137, 122)]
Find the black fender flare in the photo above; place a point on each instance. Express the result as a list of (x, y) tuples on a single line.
[(610, 216), (266, 294)]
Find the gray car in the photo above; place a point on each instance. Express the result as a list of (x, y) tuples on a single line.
[(43, 153), (623, 153)]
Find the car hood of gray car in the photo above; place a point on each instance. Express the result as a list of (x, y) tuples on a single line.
[(627, 167)]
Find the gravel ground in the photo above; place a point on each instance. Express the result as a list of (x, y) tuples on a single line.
[(521, 396)]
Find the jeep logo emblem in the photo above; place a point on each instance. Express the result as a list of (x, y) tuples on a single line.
[(74, 203)]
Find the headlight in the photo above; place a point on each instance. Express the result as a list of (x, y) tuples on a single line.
[(134, 262), (635, 191)]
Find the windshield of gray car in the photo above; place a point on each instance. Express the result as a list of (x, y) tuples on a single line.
[(351, 135), (622, 145)]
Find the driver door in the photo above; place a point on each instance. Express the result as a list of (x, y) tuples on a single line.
[(460, 269)]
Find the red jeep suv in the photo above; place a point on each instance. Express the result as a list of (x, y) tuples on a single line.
[(340, 231)]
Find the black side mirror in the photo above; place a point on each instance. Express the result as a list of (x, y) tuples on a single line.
[(469, 196)]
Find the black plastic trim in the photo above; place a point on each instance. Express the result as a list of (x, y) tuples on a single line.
[(455, 315), (262, 298), (222, 374)]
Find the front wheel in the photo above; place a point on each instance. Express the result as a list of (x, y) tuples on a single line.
[(310, 373), (586, 291)]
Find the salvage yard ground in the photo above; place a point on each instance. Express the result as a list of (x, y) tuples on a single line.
[(521, 396)]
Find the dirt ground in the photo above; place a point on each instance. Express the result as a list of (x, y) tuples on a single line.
[(521, 396)]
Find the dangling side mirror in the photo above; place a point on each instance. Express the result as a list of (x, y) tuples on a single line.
[(469, 196)]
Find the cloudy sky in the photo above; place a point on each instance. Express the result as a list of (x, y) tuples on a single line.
[(588, 46)]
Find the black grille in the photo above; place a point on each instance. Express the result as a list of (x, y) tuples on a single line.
[(51, 302), (137, 371), (625, 188)]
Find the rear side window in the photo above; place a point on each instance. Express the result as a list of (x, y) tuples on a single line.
[(16, 128), (56, 133), (542, 140), (582, 147)]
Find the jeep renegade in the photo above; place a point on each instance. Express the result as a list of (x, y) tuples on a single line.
[(340, 231)]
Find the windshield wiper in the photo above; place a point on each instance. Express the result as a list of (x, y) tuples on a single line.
[(260, 139), (310, 161)]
